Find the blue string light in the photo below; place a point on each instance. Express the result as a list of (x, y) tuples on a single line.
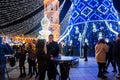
[(100, 17)]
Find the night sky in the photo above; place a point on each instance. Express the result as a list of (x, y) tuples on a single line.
[(117, 5)]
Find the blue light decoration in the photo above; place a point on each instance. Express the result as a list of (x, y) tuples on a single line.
[(94, 19)]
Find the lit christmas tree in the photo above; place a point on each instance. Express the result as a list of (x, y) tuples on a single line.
[(91, 20)]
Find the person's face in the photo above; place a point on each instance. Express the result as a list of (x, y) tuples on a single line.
[(50, 38)]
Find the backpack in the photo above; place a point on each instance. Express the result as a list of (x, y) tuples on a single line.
[(12, 61)]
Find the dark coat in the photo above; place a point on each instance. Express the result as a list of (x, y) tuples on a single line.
[(9, 49), (116, 51), (110, 53), (22, 56), (53, 49), (3, 50), (42, 57), (85, 47)]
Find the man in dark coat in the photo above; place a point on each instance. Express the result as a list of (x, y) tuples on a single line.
[(110, 57), (3, 50), (53, 51), (117, 54), (85, 47)]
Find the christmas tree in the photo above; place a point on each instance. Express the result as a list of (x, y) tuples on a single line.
[(92, 20)]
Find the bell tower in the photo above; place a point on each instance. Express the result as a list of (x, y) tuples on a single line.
[(51, 9)]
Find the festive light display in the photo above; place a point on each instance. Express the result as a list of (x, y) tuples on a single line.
[(45, 32), (91, 20)]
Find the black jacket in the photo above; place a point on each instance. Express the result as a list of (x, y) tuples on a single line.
[(22, 56), (110, 54), (116, 51), (42, 57), (53, 49)]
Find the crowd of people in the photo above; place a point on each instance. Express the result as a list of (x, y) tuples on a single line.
[(107, 53), (39, 53), (70, 50), (38, 56)]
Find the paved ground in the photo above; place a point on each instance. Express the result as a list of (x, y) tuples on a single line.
[(83, 71)]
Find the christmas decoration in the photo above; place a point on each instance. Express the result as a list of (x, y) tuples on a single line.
[(92, 20), (44, 33)]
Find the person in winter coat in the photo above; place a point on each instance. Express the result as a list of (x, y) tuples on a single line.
[(85, 47), (31, 59), (53, 51), (116, 51), (22, 57), (3, 50), (101, 50), (110, 57), (42, 58)]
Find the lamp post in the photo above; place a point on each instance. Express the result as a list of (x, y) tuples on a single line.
[(80, 39)]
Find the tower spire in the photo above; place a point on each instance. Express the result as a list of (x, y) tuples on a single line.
[(51, 10)]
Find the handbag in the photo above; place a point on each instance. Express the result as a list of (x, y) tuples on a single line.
[(12, 61)]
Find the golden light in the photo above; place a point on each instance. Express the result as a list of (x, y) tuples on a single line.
[(51, 9)]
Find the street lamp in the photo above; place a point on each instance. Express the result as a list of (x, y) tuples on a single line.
[(80, 39)]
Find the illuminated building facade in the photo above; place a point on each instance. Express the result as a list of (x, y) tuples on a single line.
[(51, 9)]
